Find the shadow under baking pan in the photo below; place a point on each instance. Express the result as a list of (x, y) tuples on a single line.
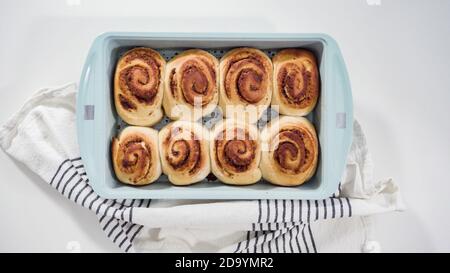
[(96, 88)]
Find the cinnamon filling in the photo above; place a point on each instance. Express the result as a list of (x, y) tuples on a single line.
[(294, 152), (126, 103), (195, 84), (197, 80), (142, 78), (249, 85), (298, 85), (183, 153), (173, 83), (134, 158), (247, 77), (234, 153)]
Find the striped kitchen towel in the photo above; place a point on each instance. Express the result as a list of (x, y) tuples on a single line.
[(42, 135)]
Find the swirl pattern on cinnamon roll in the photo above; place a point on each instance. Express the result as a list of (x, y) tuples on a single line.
[(191, 83), (235, 152), (184, 148), (295, 81), (138, 88), (290, 153), (245, 83), (135, 156)]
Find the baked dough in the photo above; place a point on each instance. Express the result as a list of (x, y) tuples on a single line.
[(135, 155), (290, 151), (295, 82), (245, 83), (184, 148), (191, 86), (138, 88), (235, 152)]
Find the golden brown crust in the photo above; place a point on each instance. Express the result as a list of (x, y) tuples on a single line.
[(295, 81), (138, 86), (192, 82), (135, 156), (292, 151), (184, 148), (245, 79)]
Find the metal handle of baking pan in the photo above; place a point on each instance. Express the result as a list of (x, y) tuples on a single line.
[(342, 116)]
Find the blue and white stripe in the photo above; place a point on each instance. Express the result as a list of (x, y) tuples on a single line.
[(284, 225), (115, 216), (281, 225)]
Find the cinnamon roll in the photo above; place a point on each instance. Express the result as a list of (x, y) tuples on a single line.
[(295, 82), (235, 152), (184, 148), (290, 151), (191, 83), (245, 83), (135, 155), (138, 89)]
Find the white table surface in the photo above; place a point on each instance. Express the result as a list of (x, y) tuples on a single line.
[(397, 54)]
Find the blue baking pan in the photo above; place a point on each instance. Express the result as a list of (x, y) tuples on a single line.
[(97, 121)]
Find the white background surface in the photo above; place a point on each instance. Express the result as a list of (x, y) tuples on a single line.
[(398, 58)]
